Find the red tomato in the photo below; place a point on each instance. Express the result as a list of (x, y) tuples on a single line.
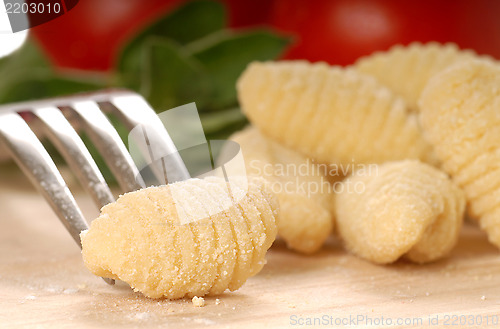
[(340, 31), (243, 13), (89, 36)]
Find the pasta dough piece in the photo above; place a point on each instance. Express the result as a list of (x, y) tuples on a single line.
[(406, 208), (406, 70), (461, 116), (304, 193), (141, 238), (330, 114)]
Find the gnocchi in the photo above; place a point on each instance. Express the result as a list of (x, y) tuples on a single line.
[(407, 69), (406, 208), (305, 198), (333, 115), (460, 112), (140, 239)]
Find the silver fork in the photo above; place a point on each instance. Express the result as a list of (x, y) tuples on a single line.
[(57, 119)]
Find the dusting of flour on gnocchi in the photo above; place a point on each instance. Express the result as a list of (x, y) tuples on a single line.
[(143, 239)]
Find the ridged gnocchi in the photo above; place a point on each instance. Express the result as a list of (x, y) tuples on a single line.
[(140, 239), (305, 198), (460, 112), (405, 208), (407, 69), (330, 114)]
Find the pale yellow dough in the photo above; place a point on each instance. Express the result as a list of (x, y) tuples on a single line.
[(304, 193), (405, 208), (407, 69), (140, 239), (460, 111), (331, 114), (198, 301)]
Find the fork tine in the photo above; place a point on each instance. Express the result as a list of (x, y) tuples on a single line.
[(72, 148), (35, 162), (37, 165), (109, 144), (127, 107)]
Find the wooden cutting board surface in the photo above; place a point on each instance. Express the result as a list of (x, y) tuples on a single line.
[(43, 283)]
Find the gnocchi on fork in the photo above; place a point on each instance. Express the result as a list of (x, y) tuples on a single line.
[(60, 120)]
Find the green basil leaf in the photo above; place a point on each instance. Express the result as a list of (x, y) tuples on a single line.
[(170, 77), (216, 121), (21, 63), (226, 54), (43, 83), (28, 55), (189, 22)]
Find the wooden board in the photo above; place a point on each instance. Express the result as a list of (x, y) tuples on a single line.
[(43, 283)]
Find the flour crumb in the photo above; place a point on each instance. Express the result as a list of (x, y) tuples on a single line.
[(142, 316), (24, 299), (70, 291), (54, 289), (206, 322), (483, 297), (427, 294), (198, 301), (217, 301)]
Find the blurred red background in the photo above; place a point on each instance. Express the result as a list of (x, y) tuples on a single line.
[(337, 31)]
